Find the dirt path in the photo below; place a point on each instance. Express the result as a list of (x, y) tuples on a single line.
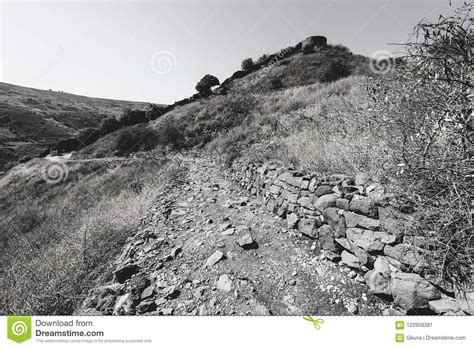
[(205, 217)]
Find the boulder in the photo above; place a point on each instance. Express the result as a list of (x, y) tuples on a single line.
[(344, 243), (323, 190), (378, 283), (325, 201), (342, 203), (369, 240), (125, 272), (247, 242), (363, 256), (444, 305), (308, 227), (308, 45), (306, 202), (412, 292), (362, 205), (292, 220), (382, 266), (326, 238), (408, 255), (349, 259), (335, 220), (354, 220)]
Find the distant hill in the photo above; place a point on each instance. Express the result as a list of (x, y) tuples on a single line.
[(31, 120)]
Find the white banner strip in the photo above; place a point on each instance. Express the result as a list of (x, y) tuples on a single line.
[(238, 332)]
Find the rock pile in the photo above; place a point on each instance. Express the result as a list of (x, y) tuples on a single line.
[(353, 223)]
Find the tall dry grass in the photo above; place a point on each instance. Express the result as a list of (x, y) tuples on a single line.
[(58, 239)]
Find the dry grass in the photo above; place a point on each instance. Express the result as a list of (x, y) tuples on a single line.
[(322, 128), (57, 240)]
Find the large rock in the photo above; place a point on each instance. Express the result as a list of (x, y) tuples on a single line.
[(308, 227), (412, 292), (357, 220), (326, 238), (323, 190), (247, 242), (292, 220), (308, 45), (306, 202), (349, 259), (125, 272), (382, 266), (336, 221), (444, 305), (371, 241), (362, 205), (325, 201), (408, 255), (378, 283)]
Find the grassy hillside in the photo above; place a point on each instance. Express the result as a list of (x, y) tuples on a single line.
[(31, 120), (57, 238)]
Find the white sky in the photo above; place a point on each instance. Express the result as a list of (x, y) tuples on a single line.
[(106, 48)]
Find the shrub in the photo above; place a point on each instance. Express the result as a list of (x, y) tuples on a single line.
[(424, 111), (247, 64), (262, 60), (154, 111), (333, 71), (87, 136), (135, 138), (276, 84), (109, 125), (206, 83), (131, 117)]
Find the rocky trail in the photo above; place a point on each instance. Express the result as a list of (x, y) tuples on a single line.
[(209, 248)]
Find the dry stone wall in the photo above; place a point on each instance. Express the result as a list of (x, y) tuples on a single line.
[(354, 223)]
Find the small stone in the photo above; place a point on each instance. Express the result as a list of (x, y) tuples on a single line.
[(224, 283), (167, 311), (261, 310), (352, 308), (228, 232), (146, 306), (214, 258), (148, 292), (170, 293)]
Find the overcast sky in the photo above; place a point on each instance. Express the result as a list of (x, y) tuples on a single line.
[(156, 51)]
